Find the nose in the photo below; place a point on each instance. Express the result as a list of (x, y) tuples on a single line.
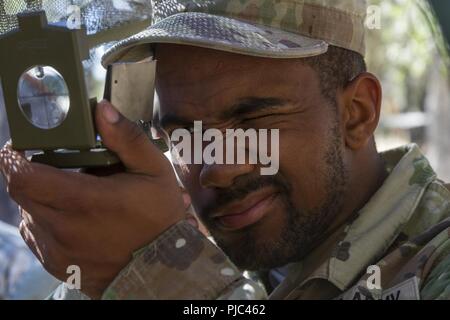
[(223, 175)]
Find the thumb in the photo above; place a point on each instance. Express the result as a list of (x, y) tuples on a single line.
[(129, 141)]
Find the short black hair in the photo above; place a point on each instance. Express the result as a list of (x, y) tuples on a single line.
[(336, 68)]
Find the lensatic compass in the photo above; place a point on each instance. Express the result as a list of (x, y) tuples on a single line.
[(46, 98)]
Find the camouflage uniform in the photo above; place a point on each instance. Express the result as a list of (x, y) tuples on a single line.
[(404, 230), (263, 28)]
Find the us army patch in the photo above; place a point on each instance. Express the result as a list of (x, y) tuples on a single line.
[(407, 290), (358, 292)]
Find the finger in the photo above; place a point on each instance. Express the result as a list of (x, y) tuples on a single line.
[(33, 213), (43, 247), (12, 161), (129, 142), (46, 185), (10, 145), (30, 240)]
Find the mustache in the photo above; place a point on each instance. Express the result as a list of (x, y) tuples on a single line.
[(243, 188)]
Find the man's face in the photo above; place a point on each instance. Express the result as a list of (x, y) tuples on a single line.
[(259, 221)]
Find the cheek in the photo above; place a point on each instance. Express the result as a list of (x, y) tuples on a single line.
[(303, 164)]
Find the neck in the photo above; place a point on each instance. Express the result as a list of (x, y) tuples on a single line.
[(366, 177), (364, 182)]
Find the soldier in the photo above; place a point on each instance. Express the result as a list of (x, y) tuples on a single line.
[(338, 221)]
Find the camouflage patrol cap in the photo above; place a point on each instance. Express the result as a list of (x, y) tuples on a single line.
[(264, 28)]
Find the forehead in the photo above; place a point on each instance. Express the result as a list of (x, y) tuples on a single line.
[(205, 81)]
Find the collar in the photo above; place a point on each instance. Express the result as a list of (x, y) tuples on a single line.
[(378, 223)]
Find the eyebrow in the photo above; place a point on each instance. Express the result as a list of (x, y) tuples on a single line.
[(251, 105), (244, 106)]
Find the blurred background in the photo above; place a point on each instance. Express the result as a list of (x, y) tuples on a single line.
[(409, 55), (407, 51)]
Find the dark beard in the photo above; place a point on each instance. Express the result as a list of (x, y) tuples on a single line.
[(301, 231)]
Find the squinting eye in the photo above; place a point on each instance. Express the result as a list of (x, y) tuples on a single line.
[(193, 130), (260, 117)]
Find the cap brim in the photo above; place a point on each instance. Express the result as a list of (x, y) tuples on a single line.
[(219, 33)]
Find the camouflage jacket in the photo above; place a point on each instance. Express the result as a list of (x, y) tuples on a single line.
[(403, 232)]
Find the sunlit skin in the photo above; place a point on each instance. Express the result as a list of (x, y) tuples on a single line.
[(329, 168), (201, 84)]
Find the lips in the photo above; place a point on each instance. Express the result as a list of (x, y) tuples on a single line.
[(247, 211)]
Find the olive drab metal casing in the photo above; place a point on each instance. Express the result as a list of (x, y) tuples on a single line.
[(36, 43)]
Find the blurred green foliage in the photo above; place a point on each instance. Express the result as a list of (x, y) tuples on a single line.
[(402, 52)]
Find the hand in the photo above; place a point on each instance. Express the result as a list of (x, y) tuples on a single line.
[(72, 218)]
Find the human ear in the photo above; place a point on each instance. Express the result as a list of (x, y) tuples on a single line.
[(361, 113)]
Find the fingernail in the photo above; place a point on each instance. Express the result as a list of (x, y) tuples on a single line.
[(110, 114)]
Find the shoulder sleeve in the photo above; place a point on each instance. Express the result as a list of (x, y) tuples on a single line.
[(182, 264)]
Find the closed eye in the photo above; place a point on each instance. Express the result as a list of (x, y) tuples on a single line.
[(263, 116)]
